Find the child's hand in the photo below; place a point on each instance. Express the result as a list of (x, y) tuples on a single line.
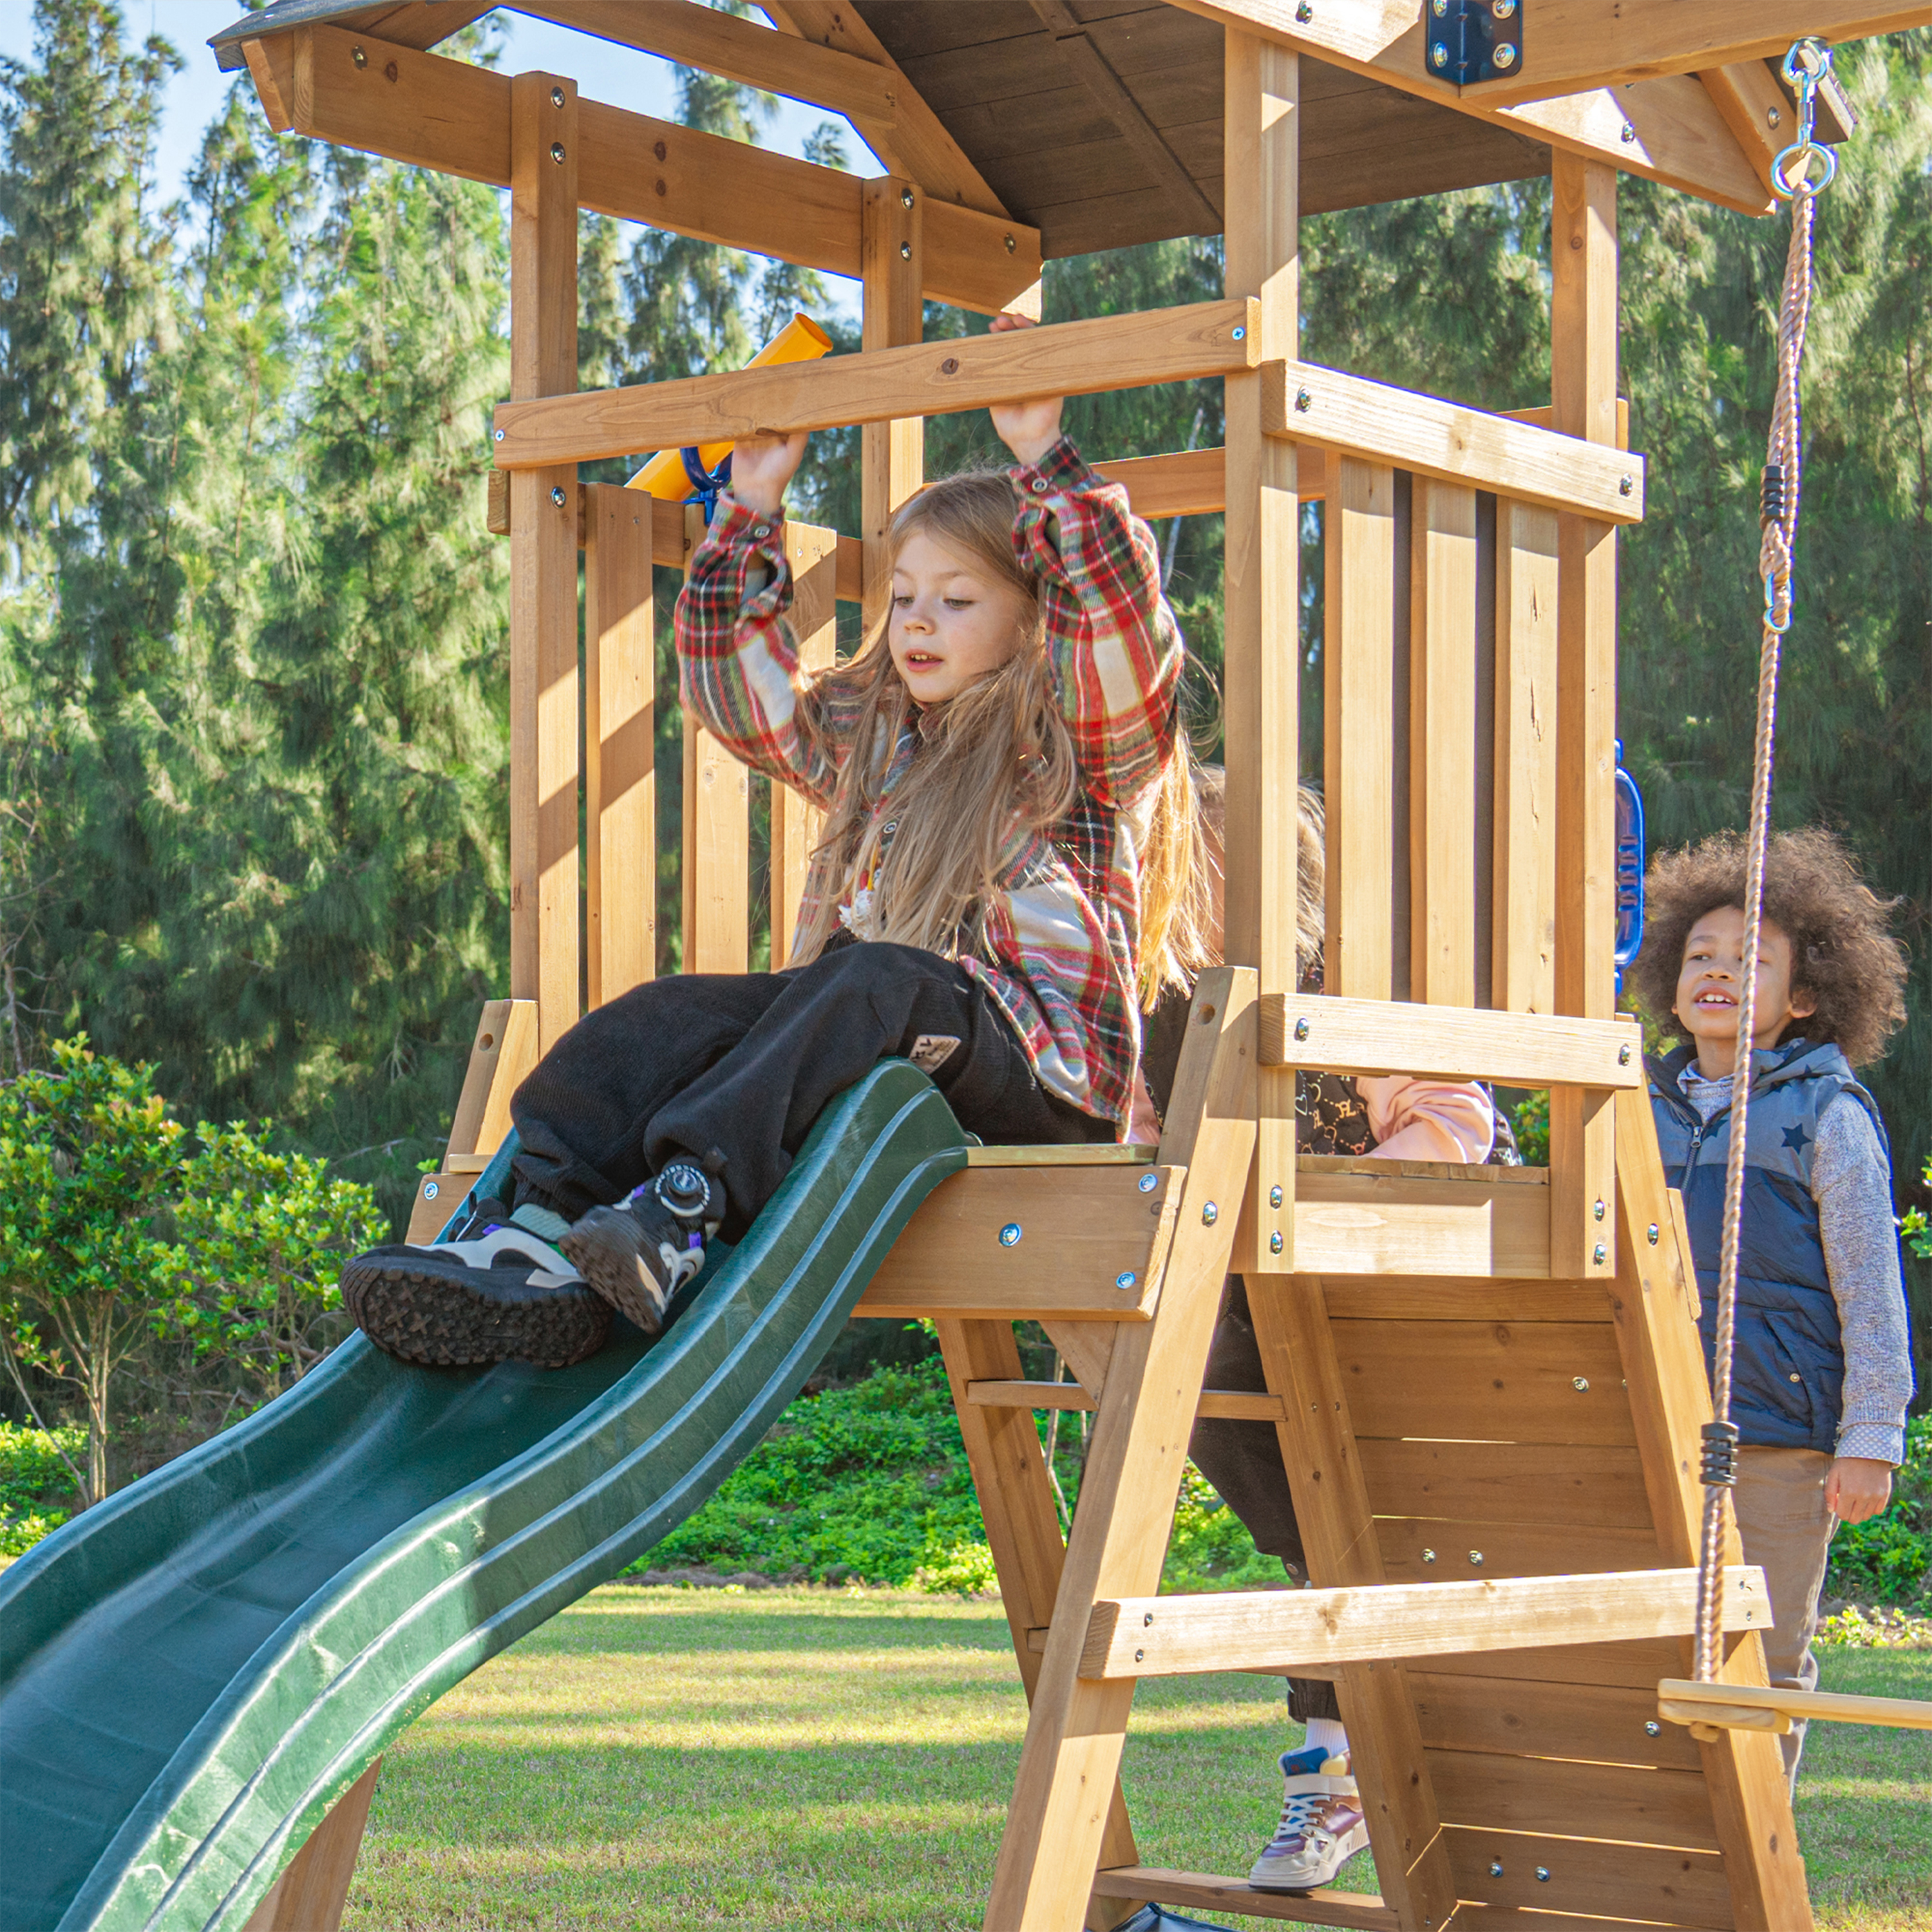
[(1028, 429), (761, 466), (1858, 1488)]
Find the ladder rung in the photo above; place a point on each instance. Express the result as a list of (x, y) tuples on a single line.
[(1354, 1911), (1224, 1404)]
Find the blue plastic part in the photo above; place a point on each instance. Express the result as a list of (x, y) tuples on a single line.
[(706, 484), (1630, 868)]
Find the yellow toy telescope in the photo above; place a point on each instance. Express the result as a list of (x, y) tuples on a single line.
[(665, 475)]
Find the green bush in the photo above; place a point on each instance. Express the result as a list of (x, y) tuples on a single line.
[(1888, 1560), (34, 1480)]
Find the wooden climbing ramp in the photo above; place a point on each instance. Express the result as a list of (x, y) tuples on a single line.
[(1486, 1383)]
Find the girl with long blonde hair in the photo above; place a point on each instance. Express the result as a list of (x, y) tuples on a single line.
[(1010, 872)]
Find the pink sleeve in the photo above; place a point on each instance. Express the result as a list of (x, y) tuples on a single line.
[(1428, 1120)]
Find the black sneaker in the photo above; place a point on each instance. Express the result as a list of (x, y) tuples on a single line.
[(501, 1295), (637, 1255)]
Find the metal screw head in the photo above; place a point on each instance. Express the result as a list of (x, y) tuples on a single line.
[(1543, 1874), (1504, 54), (1628, 134), (1581, 1383), (1651, 1728), (1303, 400), (1476, 1558), (1438, 8), (1011, 244), (1240, 332), (1303, 12), (358, 56), (1126, 1280), (1210, 1214), (1429, 1556), (1623, 1055), (1496, 1868), (1009, 1234), (1147, 1183), (1626, 486), (498, 434), (429, 1190), (556, 495), (1598, 1210), (905, 251), (1600, 1254), (1772, 117), (1140, 1656), (1438, 55), (1274, 1195), (1301, 1026), (556, 151), (1651, 1233), (1502, 9), (556, 97), (1274, 1243), (1147, 1620), (905, 197)]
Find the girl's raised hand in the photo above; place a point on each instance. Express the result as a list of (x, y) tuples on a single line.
[(1031, 428), (761, 466)]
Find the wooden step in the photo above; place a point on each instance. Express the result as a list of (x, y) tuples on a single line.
[(1230, 1405), (1355, 1911)]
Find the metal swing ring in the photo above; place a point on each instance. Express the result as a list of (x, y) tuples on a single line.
[(1805, 68), (1788, 187)]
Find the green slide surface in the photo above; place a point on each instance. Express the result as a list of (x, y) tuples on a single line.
[(192, 1671)]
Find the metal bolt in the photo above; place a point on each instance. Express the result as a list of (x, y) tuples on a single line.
[(1274, 1243), (1651, 1728), (556, 151), (1303, 399), (429, 1190), (1626, 486), (358, 56), (556, 495), (905, 251), (1139, 1656), (1623, 1055), (1543, 1874), (1600, 1254), (1581, 1383), (1438, 8), (1011, 244), (950, 367), (1274, 1195), (1504, 54), (905, 197), (1301, 1026), (1009, 1234), (1629, 133), (556, 97), (1772, 117), (498, 434), (1502, 9), (1652, 1232), (1598, 1210), (1496, 1868), (1147, 1619), (1210, 1214), (1126, 1280), (1438, 54), (1147, 1183), (1476, 1558), (1241, 332)]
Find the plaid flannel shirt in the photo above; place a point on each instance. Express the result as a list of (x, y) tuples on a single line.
[(1063, 933)]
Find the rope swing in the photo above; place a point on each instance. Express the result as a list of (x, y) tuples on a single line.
[(1800, 173)]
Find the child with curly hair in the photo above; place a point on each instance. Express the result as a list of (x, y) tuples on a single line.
[(1821, 1364)]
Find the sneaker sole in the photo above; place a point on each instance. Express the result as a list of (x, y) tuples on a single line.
[(602, 1247), (434, 1319), (1354, 1843)]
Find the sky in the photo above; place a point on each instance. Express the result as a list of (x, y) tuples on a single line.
[(619, 75)]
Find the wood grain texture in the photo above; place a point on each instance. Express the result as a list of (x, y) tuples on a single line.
[(1426, 1549), (1353, 1911), (795, 825), (1746, 95), (1597, 1724), (1638, 1803), (1392, 1225), (931, 379), (1372, 1035), (310, 1895), (1655, 1884), (1449, 441), (1525, 1484), (1430, 1298), (1087, 1347), (620, 728), (716, 875), (1071, 1397), (892, 455), (1901, 1713)]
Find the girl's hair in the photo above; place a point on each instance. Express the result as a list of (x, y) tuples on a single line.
[(997, 756), (1842, 956)]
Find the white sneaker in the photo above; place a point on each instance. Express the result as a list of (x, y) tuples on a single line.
[(1322, 1826)]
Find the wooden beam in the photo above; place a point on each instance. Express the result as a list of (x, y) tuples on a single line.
[(1695, 1704), (620, 882), (1402, 1224), (916, 144), (716, 933), (1579, 44), (1674, 135), (1170, 1636), (309, 1895), (1754, 108), (1260, 598), (1089, 67), (1376, 1037), (1307, 403), (736, 49), (1231, 1404), (502, 1053), (544, 926), (449, 115), (1105, 352), (1352, 1911), (891, 454)]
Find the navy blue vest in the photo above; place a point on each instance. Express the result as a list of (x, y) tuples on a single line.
[(1788, 1368)]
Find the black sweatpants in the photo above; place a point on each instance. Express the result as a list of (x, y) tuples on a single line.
[(739, 1066), (1243, 1460)]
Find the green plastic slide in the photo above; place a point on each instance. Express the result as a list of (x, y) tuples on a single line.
[(194, 1670)]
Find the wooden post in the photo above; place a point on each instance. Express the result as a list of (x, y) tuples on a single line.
[(313, 1887), (619, 731), (1583, 403), (892, 455), (543, 559), (1262, 623), (813, 555), (717, 882)]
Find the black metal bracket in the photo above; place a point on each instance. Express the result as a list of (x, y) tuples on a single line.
[(1467, 40)]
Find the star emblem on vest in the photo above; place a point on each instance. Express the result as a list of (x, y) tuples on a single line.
[(1795, 1137)]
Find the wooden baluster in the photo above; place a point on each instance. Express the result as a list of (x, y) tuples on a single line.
[(795, 826), (717, 897)]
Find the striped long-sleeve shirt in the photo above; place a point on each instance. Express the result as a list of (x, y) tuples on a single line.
[(1061, 936)]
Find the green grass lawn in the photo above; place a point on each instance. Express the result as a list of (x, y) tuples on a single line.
[(665, 1759)]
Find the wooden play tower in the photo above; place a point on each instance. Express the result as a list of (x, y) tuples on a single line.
[(1487, 1382)]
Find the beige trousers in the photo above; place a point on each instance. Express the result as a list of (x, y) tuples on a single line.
[(1787, 1532)]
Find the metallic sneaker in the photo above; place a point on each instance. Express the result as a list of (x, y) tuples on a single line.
[(1322, 1826), (638, 1254)]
